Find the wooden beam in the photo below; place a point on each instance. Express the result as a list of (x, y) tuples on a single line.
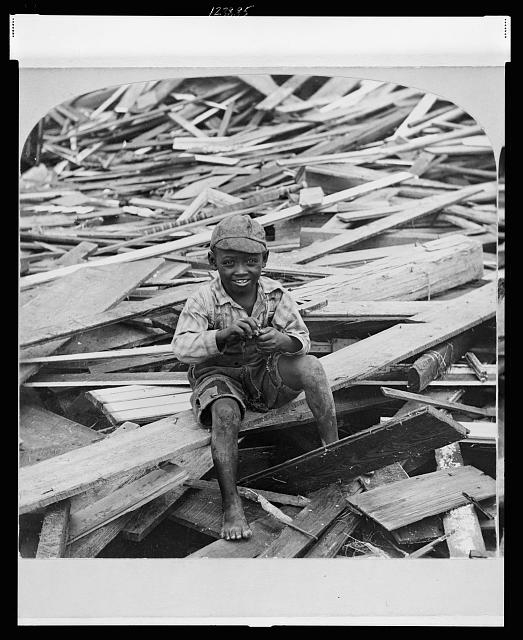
[(77, 254), (336, 535), (326, 505), (283, 91), (264, 532), (197, 463), (271, 496), (352, 237), (367, 450), (452, 406), (164, 378), (398, 504), (431, 268), (102, 355), (45, 434), (77, 296), (124, 500), (124, 311), (53, 535), (435, 362), (461, 525)]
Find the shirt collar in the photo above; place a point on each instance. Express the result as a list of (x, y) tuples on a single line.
[(265, 286)]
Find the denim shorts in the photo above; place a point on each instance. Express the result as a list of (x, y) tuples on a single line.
[(257, 387)]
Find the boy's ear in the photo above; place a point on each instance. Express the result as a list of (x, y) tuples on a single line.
[(265, 257), (212, 259)]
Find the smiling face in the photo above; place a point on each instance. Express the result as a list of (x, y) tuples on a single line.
[(239, 271)]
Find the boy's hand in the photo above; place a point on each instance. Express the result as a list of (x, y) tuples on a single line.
[(271, 340), (243, 329)]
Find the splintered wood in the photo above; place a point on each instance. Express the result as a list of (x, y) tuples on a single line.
[(382, 217)]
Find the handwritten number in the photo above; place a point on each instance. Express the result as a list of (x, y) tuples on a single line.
[(217, 11)]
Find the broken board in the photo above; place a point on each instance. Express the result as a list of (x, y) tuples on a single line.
[(401, 503), (419, 431)]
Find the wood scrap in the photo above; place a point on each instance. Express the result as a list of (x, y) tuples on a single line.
[(407, 501), (326, 504), (362, 452), (55, 527), (454, 406)]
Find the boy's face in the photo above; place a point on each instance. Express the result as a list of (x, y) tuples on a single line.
[(239, 271)]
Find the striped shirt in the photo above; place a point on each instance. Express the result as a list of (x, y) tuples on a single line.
[(211, 308)]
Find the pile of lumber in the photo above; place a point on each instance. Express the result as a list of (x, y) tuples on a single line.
[(380, 209)]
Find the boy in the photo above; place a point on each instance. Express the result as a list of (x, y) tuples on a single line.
[(247, 347)]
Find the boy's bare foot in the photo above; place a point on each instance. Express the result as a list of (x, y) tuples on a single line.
[(235, 526)]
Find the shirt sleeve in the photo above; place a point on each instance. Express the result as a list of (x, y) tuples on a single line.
[(288, 320), (193, 342)]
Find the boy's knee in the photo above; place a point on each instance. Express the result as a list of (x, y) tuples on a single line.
[(225, 412), (311, 367), (307, 371)]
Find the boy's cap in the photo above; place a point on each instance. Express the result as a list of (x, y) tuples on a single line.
[(239, 233)]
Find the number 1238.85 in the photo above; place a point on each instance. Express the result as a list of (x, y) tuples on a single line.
[(230, 11)]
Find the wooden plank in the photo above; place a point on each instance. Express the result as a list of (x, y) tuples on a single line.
[(115, 336), (262, 83), (271, 496), (346, 258), (326, 505), (197, 463), (103, 355), (124, 500), (432, 268), (264, 532), (149, 414), (163, 378), (90, 545), (77, 254), (336, 535), (336, 86), (202, 511), (311, 196), (371, 310), (282, 92), (78, 296), (45, 434), (132, 392), (416, 532), (70, 298), (53, 535), (349, 238), (398, 504), (367, 450), (461, 525), (124, 311), (452, 406)]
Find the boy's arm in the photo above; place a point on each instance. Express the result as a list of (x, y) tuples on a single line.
[(288, 320), (193, 341)]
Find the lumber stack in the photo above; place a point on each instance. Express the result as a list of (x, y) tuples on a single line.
[(380, 209)]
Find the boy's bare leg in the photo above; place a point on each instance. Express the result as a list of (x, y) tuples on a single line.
[(226, 418), (306, 373)]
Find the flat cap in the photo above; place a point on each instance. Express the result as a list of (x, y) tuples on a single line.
[(239, 233)]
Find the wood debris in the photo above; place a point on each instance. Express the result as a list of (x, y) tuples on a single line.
[(383, 216)]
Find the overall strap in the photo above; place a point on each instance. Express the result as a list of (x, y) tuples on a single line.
[(209, 304)]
